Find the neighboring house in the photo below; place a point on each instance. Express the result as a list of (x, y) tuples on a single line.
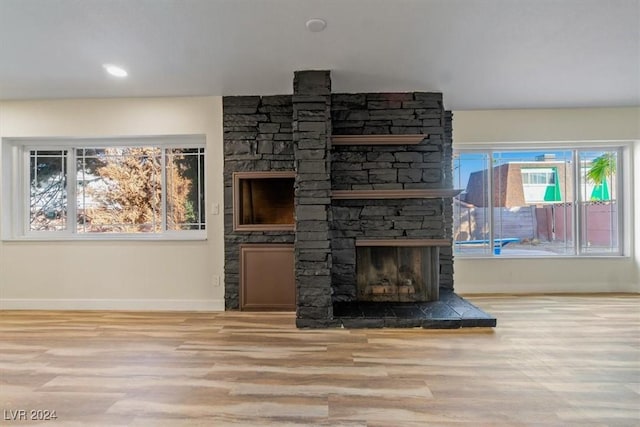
[(543, 181), (534, 200)]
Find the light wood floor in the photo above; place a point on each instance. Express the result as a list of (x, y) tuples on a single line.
[(552, 360)]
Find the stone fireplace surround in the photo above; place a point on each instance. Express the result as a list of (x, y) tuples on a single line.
[(374, 166)]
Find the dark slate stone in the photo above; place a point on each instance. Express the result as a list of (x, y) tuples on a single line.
[(379, 211), (235, 148), (349, 100), (311, 213), (348, 124), (390, 96), (237, 101), (375, 130), (397, 322), (281, 118), (281, 165), (312, 235), (315, 313), (381, 105), (310, 144), (309, 106), (432, 123), (429, 113), (278, 100), (313, 185), (282, 137), (409, 175), (434, 315), (312, 116), (241, 110), (345, 166), (302, 99), (312, 256), (311, 244), (376, 165), (350, 115), (283, 148), (265, 147), (383, 175), (243, 119), (408, 157), (350, 177), (407, 122), (312, 127), (312, 166), (268, 127), (441, 323), (240, 135), (406, 130), (316, 323), (305, 299), (312, 83), (380, 157), (391, 114), (432, 175)]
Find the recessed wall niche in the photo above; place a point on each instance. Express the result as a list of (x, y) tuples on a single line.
[(263, 200)]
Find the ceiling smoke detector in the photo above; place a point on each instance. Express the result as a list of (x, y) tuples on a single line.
[(316, 25)]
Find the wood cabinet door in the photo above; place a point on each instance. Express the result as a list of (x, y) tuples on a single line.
[(267, 278)]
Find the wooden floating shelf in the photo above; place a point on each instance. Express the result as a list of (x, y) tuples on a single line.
[(393, 194), (396, 243), (378, 139)]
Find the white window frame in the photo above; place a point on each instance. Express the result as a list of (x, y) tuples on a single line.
[(624, 188), (16, 186)]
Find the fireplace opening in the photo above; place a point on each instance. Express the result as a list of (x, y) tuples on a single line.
[(264, 200), (396, 273)]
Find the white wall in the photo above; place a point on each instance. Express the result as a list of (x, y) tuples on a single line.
[(170, 275), (553, 275)]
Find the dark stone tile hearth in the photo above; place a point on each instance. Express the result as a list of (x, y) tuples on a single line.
[(450, 312)]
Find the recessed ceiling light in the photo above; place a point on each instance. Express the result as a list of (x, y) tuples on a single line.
[(114, 70), (316, 25)]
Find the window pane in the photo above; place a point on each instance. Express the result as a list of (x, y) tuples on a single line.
[(119, 190), (185, 189), (48, 190), (598, 202), (470, 208), (532, 194)]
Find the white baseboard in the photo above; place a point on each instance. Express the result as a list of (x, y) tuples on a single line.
[(544, 288), (113, 304)]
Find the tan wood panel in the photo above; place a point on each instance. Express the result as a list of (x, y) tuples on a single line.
[(267, 279), (552, 360)]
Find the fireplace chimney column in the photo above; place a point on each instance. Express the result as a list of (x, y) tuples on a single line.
[(312, 143)]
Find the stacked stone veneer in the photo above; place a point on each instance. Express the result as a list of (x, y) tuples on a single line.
[(257, 137), (294, 133), (389, 167), (312, 153)]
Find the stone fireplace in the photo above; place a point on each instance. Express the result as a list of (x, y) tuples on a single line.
[(370, 220)]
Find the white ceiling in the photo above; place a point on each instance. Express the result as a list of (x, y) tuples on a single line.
[(479, 53)]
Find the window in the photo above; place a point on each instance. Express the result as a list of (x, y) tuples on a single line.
[(538, 202), (153, 187)]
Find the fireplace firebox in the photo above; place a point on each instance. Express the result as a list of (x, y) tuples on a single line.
[(397, 273)]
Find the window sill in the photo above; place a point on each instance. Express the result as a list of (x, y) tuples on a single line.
[(171, 237), (542, 257)]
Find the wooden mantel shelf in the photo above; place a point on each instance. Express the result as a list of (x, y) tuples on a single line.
[(394, 194), (378, 139)]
